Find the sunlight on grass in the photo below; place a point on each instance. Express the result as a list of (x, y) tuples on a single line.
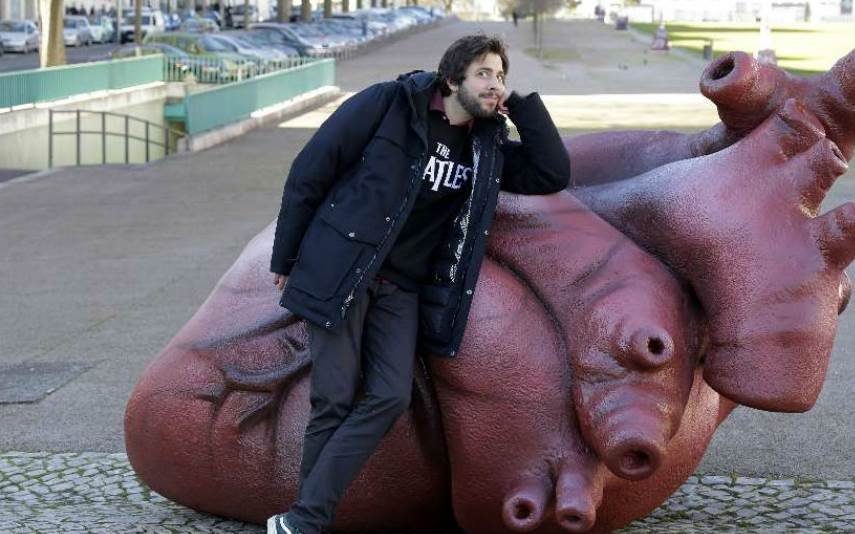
[(801, 48), (592, 112)]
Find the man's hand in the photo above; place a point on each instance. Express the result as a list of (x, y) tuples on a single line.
[(279, 281), (501, 108)]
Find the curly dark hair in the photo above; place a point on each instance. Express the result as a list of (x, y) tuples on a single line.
[(462, 52)]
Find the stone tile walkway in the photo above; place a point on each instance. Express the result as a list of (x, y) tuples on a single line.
[(99, 493)]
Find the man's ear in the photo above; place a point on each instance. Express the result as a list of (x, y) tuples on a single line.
[(453, 87)]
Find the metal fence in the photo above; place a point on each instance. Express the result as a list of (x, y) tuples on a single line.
[(31, 86), (236, 101), (147, 134), (213, 70)]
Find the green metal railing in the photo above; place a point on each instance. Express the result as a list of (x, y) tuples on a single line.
[(26, 87), (213, 70), (153, 135), (236, 101)]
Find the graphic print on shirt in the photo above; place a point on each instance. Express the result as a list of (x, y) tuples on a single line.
[(442, 172)]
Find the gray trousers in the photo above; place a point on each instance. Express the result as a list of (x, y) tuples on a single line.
[(361, 381)]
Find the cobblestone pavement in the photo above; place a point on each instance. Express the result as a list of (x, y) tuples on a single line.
[(99, 493)]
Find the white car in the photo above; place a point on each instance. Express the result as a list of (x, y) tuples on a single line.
[(151, 21), (19, 36), (76, 31), (102, 29)]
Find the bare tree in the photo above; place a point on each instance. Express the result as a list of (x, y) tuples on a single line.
[(245, 14), (283, 11), (327, 8), (138, 22), (306, 11), (345, 6), (52, 45)]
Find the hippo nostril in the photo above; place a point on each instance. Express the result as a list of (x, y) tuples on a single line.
[(649, 348), (522, 511), (635, 461), (724, 67), (655, 345), (572, 522)]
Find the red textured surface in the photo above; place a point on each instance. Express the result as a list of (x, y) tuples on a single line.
[(605, 325)]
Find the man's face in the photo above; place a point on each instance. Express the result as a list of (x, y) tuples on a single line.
[(482, 87)]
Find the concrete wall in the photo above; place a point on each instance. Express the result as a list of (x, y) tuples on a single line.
[(24, 132)]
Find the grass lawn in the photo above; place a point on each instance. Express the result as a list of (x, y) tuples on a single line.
[(801, 48)]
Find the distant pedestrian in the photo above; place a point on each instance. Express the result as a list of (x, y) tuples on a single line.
[(516, 17)]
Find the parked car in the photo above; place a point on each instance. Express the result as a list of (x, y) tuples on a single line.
[(151, 21), (198, 25), (171, 22), (203, 45), (237, 15), (240, 45), (102, 29), (181, 65), (214, 16), (284, 34), (18, 36), (259, 40), (76, 31)]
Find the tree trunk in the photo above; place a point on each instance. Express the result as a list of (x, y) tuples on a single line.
[(345, 6), (327, 9), (245, 14), (52, 45), (283, 11), (138, 21), (358, 4), (306, 11)]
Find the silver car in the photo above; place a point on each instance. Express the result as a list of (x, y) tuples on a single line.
[(19, 36), (102, 29), (76, 31)]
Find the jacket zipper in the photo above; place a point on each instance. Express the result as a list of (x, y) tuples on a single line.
[(477, 234), (349, 299)]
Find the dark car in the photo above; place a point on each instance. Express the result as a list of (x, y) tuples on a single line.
[(284, 34)]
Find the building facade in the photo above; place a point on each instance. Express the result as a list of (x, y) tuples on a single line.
[(18, 9)]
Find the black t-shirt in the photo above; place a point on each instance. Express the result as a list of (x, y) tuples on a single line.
[(446, 182)]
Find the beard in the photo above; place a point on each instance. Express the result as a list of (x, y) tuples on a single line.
[(469, 102)]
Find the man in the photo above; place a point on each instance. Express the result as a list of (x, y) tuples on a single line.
[(380, 237)]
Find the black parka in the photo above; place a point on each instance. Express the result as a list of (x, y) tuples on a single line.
[(353, 185)]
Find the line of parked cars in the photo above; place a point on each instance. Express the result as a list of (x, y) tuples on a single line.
[(198, 47), (199, 33)]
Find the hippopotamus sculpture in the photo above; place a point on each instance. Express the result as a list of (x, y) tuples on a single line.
[(614, 326)]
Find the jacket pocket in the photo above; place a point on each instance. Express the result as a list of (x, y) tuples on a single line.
[(328, 257)]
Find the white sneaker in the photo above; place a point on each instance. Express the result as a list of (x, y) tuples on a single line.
[(278, 524)]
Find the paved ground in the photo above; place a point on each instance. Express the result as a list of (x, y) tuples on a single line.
[(101, 266), (98, 492)]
